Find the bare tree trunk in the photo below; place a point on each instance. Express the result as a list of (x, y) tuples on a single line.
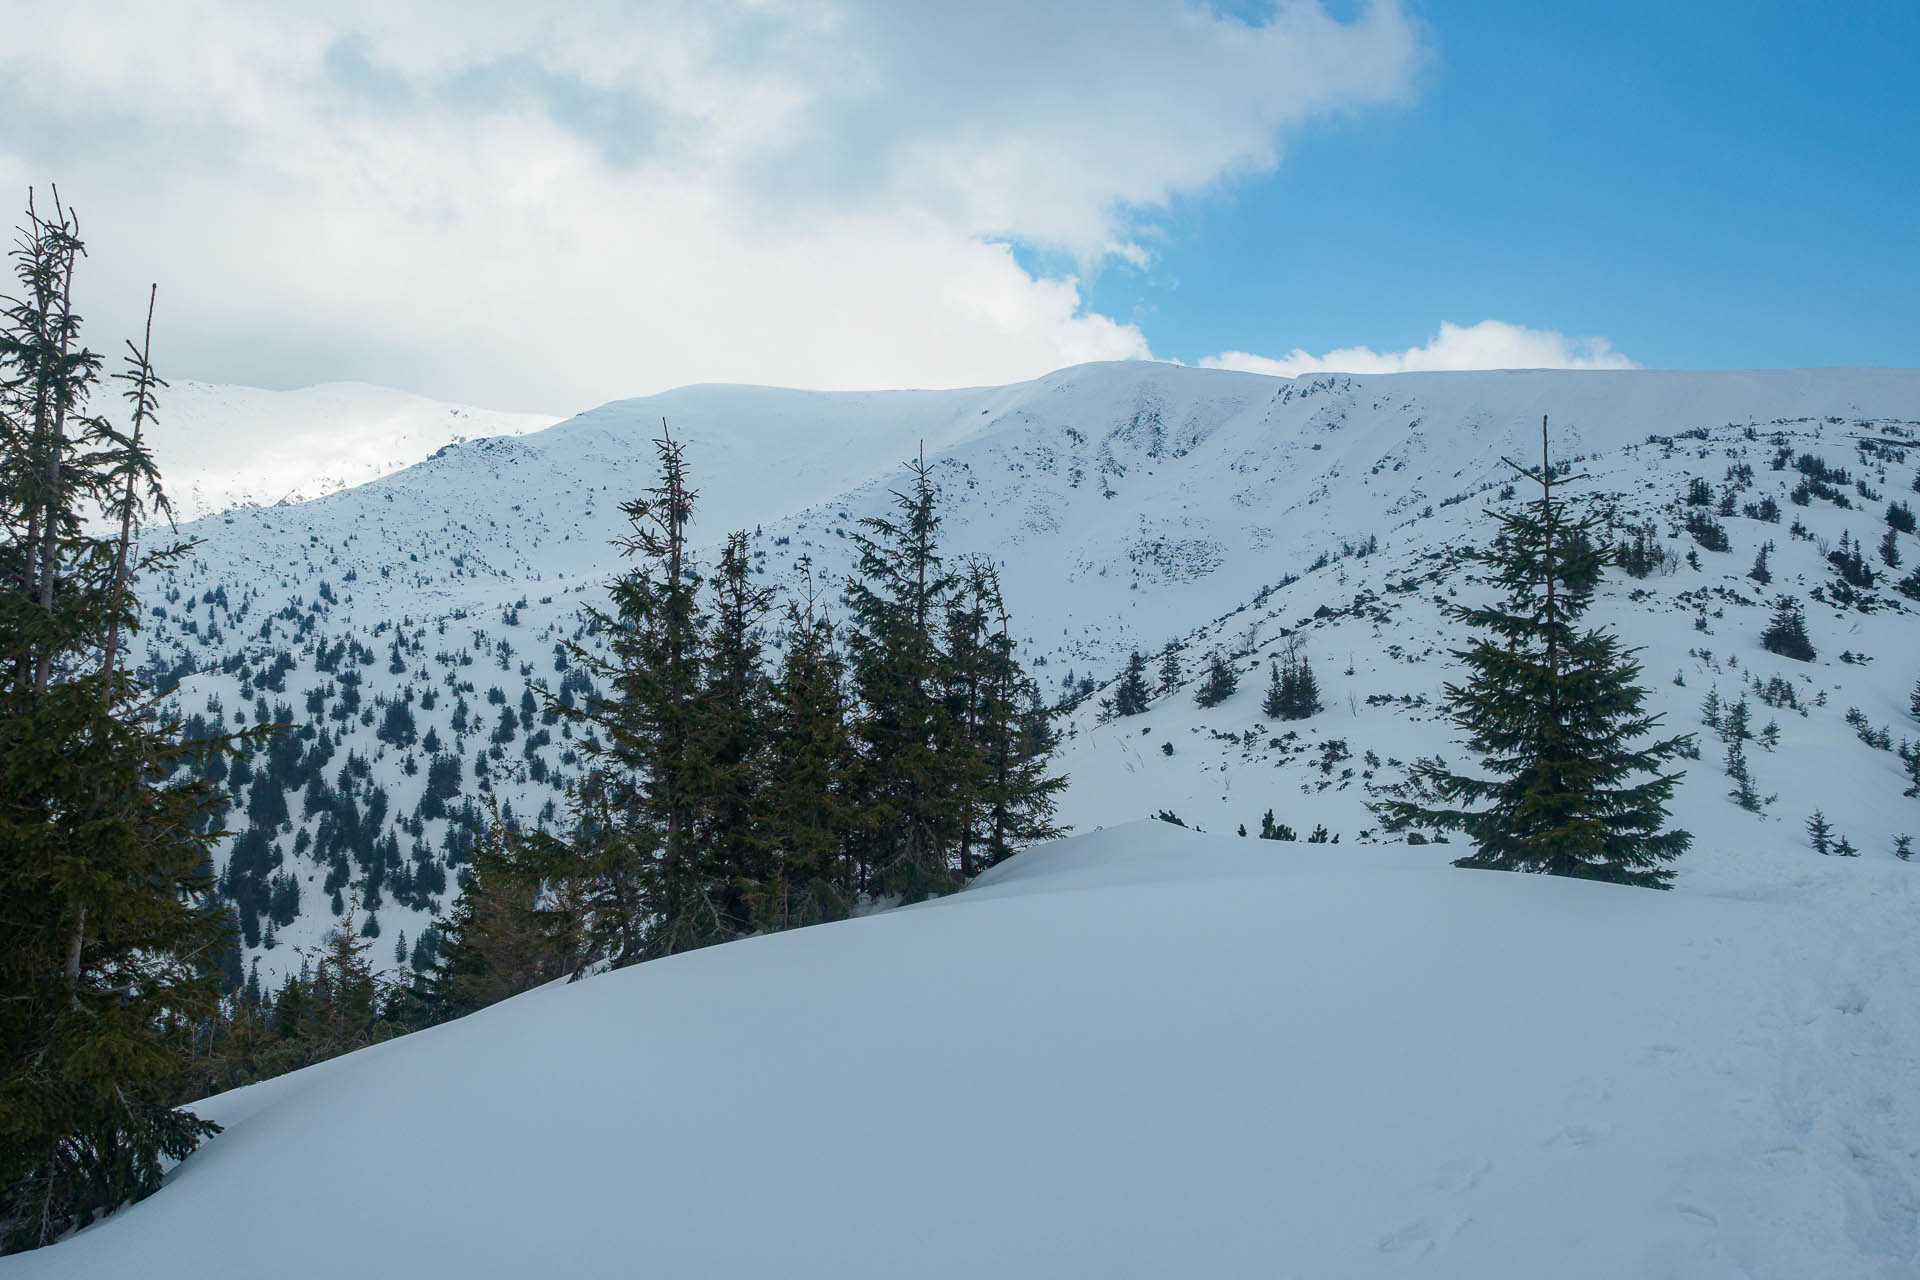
[(73, 956)]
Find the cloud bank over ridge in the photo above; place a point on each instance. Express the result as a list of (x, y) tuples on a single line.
[(1491, 344), (534, 207)]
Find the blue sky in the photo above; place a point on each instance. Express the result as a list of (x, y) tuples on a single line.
[(1707, 185), (543, 206)]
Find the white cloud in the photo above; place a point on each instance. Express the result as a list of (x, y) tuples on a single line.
[(537, 206), (1491, 344)]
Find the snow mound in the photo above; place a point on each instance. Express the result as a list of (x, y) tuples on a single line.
[(1138, 1052)]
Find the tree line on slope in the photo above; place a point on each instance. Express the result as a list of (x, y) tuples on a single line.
[(888, 757), (884, 758)]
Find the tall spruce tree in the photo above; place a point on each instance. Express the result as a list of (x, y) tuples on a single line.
[(729, 736), (898, 598), (1555, 715), (107, 946), (806, 809), (1010, 799), (637, 803), (968, 691)]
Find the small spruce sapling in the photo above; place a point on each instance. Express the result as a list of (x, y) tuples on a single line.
[(1219, 683), (1130, 693), (1170, 674), (1786, 632)]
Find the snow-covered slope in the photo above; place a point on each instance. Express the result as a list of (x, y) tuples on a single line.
[(224, 446), (1140, 1052), (1131, 505)]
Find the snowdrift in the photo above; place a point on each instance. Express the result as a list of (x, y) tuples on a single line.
[(1138, 1052)]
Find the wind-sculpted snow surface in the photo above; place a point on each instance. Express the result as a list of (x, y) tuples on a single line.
[(1139, 1052), (1130, 506)]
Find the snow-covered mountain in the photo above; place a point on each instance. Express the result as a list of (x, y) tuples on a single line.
[(1141, 1051), (224, 446), (1131, 505)]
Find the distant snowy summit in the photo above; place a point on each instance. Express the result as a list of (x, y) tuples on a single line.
[(220, 447)]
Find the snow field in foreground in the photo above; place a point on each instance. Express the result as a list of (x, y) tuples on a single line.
[(1138, 1052)]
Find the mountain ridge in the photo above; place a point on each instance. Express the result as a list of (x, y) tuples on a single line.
[(1128, 504)]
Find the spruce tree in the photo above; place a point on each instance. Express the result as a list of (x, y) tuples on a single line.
[(1130, 693), (1302, 690), (1760, 573), (517, 924), (1271, 830), (635, 807), (1292, 691), (1737, 724), (1786, 632), (1819, 832), (1277, 702), (898, 598), (1743, 793), (107, 945), (1170, 674), (1556, 715), (346, 990), (1014, 743), (728, 738), (966, 690), (1218, 684), (806, 810)]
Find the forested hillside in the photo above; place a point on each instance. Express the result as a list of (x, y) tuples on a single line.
[(411, 630)]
